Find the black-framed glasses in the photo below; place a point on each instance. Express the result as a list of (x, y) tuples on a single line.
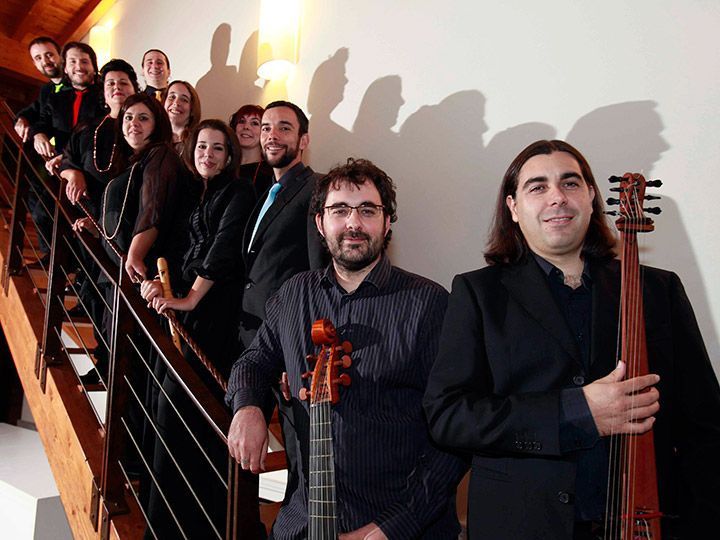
[(364, 210)]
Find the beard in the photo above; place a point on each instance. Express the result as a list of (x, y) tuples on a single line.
[(358, 256), (51, 71), (283, 160)]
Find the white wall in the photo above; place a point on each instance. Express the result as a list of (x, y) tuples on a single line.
[(453, 90)]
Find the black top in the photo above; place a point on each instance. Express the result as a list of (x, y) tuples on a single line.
[(31, 113), (216, 227), (148, 194), (386, 469), (56, 116), (260, 175), (92, 144), (575, 416)]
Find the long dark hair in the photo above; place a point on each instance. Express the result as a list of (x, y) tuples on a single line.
[(161, 134), (231, 140), (506, 243), (195, 109)]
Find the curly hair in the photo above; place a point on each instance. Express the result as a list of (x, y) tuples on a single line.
[(357, 172)]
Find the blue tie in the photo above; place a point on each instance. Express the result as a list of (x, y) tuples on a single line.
[(268, 202)]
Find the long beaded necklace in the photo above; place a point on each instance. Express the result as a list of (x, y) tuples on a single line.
[(112, 153), (122, 208)]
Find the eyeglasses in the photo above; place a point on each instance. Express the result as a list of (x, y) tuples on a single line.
[(365, 211)]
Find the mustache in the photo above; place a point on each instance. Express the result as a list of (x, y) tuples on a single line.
[(355, 235)]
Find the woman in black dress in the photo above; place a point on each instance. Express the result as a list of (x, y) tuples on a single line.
[(210, 296), (246, 123), (141, 208), (212, 266)]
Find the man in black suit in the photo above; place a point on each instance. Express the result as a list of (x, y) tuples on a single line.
[(45, 54), (527, 381), (283, 240), (280, 238), (81, 100)]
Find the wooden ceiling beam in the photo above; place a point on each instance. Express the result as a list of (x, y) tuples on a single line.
[(14, 56), (84, 20), (34, 11)]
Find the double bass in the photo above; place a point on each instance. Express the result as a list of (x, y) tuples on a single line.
[(633, 511)]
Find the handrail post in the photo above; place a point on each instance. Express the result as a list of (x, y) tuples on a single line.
[(13, 255), (112, 484), (51, 346), (243, 505)]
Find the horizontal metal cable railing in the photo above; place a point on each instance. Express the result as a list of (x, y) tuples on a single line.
[(153, 404)]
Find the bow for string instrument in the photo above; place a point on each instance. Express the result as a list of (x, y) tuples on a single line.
[(633, 511), (323, 393)]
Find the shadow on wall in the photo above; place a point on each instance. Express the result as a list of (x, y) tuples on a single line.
[(627, 137), (225, 88), (447, 178)]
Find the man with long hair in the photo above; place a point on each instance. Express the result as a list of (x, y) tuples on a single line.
[(527, 381)]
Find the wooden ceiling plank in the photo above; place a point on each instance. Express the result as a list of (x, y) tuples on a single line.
[(23, 25), (91, 13)]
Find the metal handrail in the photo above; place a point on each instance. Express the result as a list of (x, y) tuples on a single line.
[(111, 485)]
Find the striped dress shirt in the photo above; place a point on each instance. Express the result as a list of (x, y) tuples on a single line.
[(386, 469)]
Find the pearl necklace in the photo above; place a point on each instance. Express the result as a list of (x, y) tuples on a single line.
[(122, 208), (112, 153)]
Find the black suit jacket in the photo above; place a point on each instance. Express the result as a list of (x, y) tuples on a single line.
[(286, 242), (56, 116), (505, 355)]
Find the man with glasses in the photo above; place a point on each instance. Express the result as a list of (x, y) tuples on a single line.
[(390, 481)]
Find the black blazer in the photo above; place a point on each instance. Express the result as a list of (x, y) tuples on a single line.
[(506, 353), (286, 242), (56, 116)]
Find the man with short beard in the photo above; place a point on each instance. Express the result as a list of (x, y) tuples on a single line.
[(390, 482), (45, 54), (79, 101), (280, 238)]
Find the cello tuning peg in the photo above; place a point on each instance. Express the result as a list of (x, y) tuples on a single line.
[(345, 361), (306, 375), (343, 379), (651, 197), (617, 189), (612, 201), (611, 213), (654, 183), (652, 210), (346, 347), (303, 394), (615, 179)]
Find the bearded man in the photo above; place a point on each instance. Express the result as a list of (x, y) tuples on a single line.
[(390, 481)]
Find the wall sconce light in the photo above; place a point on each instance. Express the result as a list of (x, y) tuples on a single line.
[(100, 39), (278, 38)]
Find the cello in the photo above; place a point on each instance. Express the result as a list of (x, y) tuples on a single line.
[(323, 393), (633, 511)]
